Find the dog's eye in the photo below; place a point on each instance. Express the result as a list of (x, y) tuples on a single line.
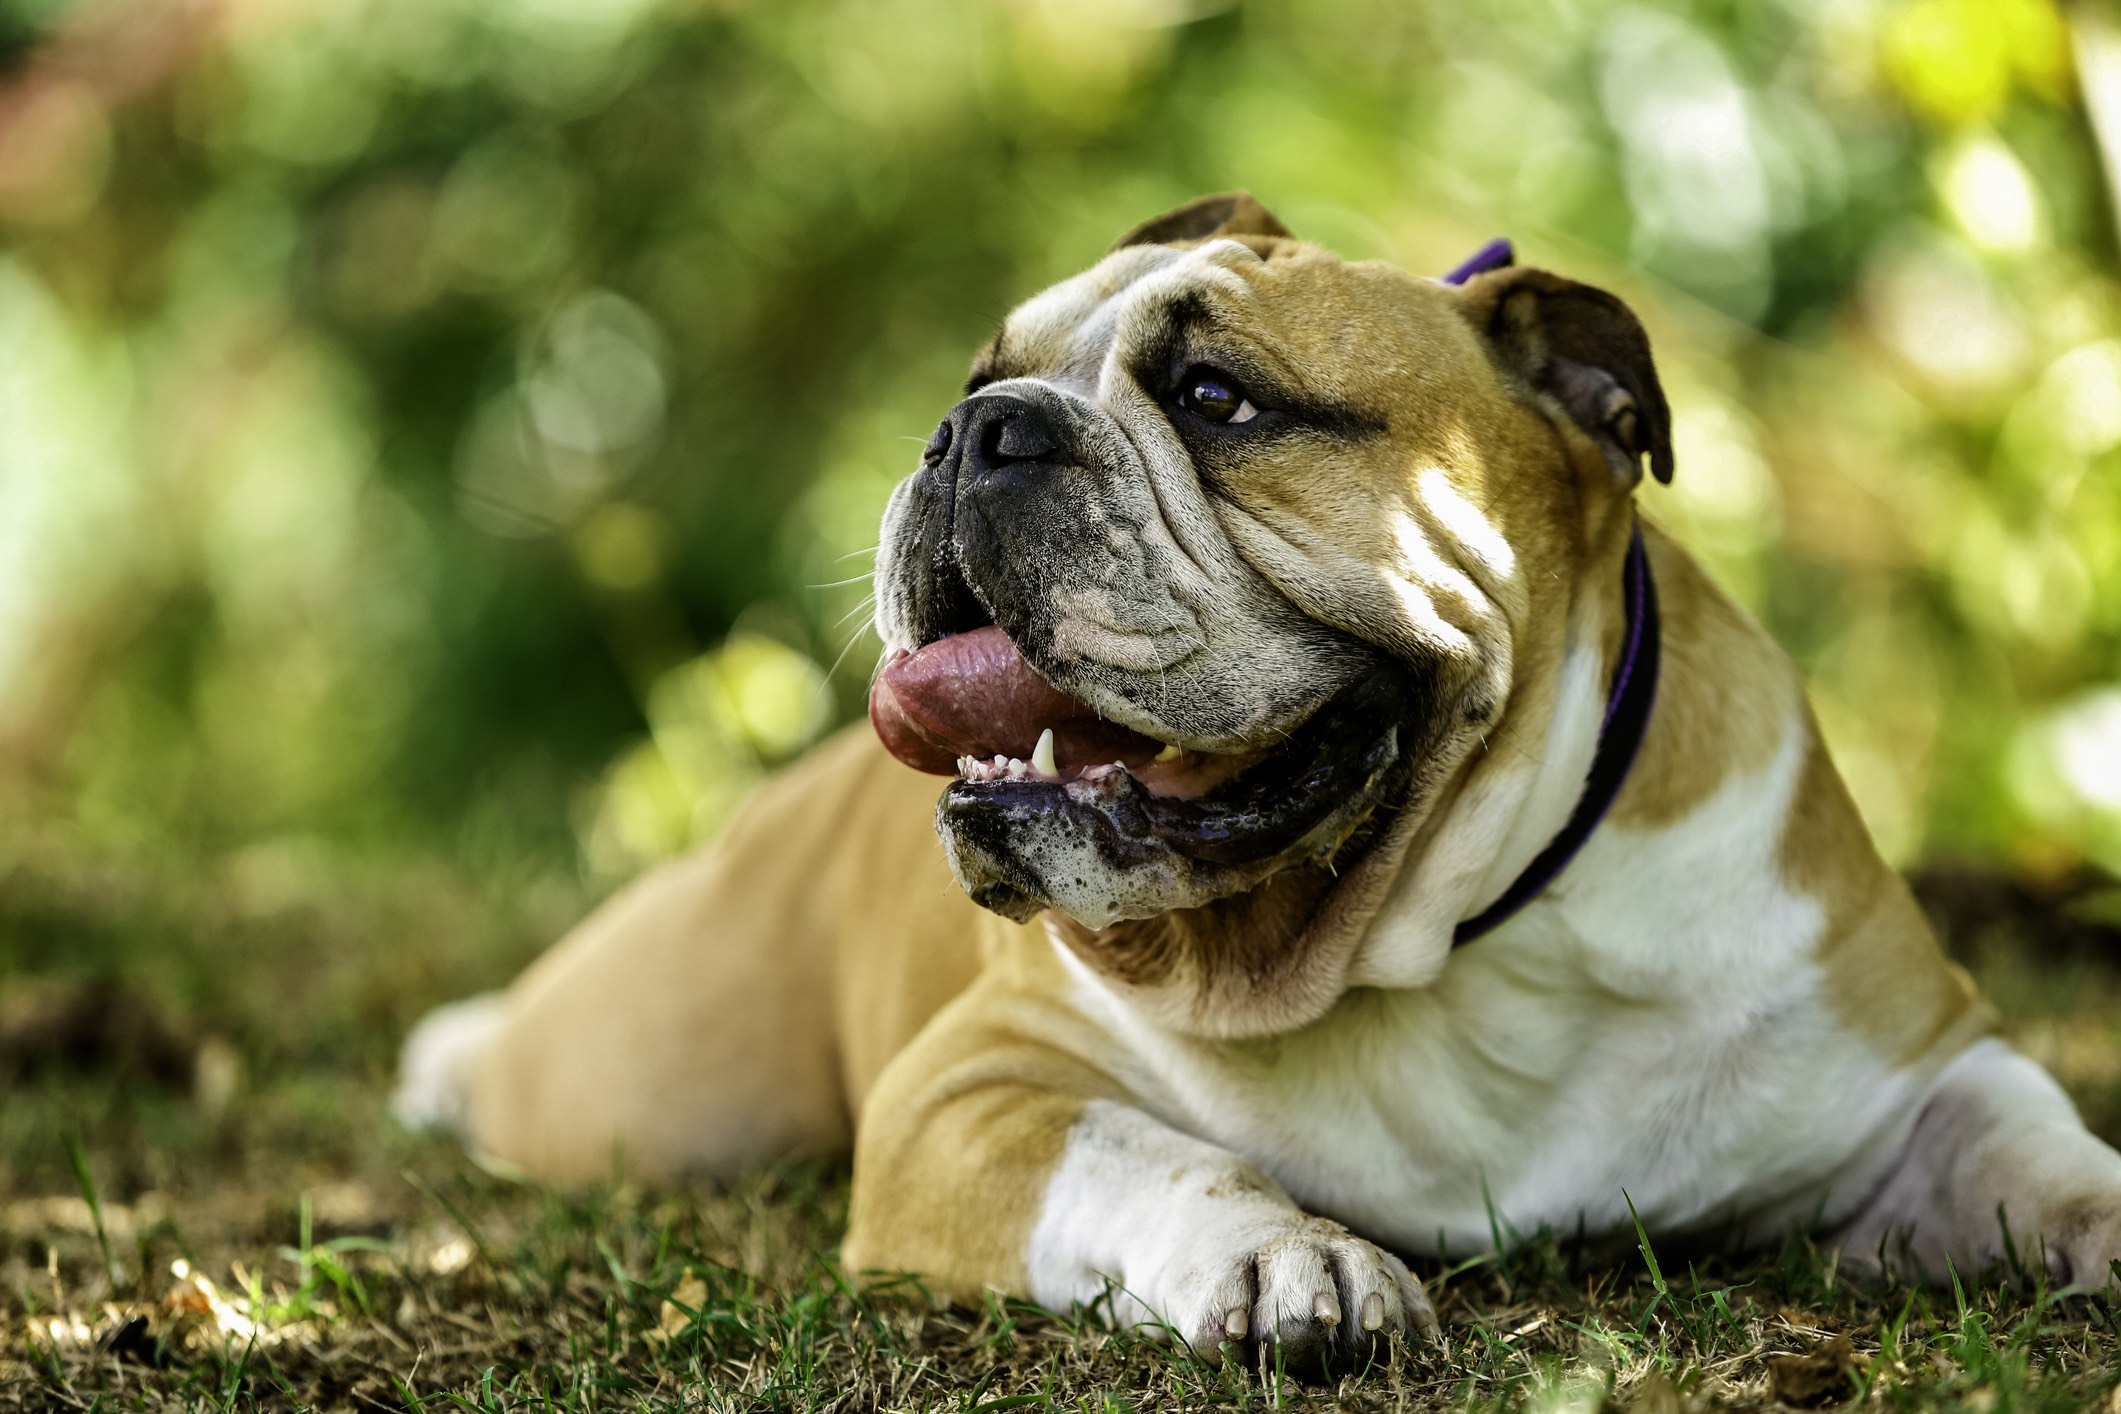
[(1215, 396)]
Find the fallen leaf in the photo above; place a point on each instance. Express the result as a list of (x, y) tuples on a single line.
[(1821, 1377), (675, 1316)]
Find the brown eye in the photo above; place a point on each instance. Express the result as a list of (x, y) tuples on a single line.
[(1214, 396)]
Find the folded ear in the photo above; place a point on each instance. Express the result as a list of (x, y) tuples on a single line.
[(1587, 351), (1230, 213)]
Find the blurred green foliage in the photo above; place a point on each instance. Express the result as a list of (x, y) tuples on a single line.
[(460, 426)]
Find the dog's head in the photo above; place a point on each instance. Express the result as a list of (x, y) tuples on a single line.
[(1228, 561)]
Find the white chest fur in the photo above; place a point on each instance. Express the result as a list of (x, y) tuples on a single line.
[(1633, 1035)]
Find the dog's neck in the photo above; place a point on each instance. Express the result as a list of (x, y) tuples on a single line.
[(1512, 822), (1621, 728)]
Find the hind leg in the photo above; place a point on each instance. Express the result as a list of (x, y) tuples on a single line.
[(730, 1007), (683, 1028), (1997, 1142)]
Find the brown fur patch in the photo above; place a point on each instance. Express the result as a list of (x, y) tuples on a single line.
[(1723, 696), (966, 1126), (1886, 978)]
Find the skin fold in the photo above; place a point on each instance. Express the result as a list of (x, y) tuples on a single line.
[(1213, 1062)]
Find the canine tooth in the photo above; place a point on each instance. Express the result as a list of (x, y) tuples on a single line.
[(1042, 756), (1170, 752), (1017, 769), (1373, 1311), (1326, 1307), (1236, 1322)]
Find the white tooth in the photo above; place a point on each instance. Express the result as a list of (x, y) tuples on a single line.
[(1170, 752), (1042, 757), (1017, 769)]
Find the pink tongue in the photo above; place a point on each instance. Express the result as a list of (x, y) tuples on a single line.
[(972, 694)]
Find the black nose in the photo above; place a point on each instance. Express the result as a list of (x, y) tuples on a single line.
[(994, 431)]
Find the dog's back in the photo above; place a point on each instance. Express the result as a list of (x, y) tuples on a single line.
[(729, 1007)]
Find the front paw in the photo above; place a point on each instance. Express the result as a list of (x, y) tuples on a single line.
[(1306, 1295)]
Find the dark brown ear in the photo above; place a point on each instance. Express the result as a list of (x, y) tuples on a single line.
[(1230, 213), (1588, 352)]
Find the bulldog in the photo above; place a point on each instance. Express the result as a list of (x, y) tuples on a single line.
[(1362, 824)]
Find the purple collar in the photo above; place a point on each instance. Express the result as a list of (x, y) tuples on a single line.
[(1492, 256), (1627, 719), (1627, 703)]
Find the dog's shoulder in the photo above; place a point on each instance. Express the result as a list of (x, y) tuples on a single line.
[(1733, 728)]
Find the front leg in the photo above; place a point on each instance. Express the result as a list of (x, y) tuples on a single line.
[(990, 1159), (1997, 1141), (1197, 1238)]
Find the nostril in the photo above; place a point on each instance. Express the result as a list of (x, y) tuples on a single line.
[(938, 443), (992, 431), (990, 442), (1024, 438), (1017, 439)]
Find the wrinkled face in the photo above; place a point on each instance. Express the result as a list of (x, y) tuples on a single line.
[(1222, 565)]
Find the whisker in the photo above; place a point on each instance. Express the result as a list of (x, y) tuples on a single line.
[(868, 603), (840, 661), (843, 583)]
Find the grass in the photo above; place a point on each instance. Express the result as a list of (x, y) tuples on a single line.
[(454, 1291), (251, 1233)]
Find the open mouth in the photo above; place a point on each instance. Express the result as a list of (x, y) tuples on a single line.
[(1054, 805), (970, 705)]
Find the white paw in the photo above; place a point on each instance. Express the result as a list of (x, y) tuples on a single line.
[(1306, 1294), (434, 1069)]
